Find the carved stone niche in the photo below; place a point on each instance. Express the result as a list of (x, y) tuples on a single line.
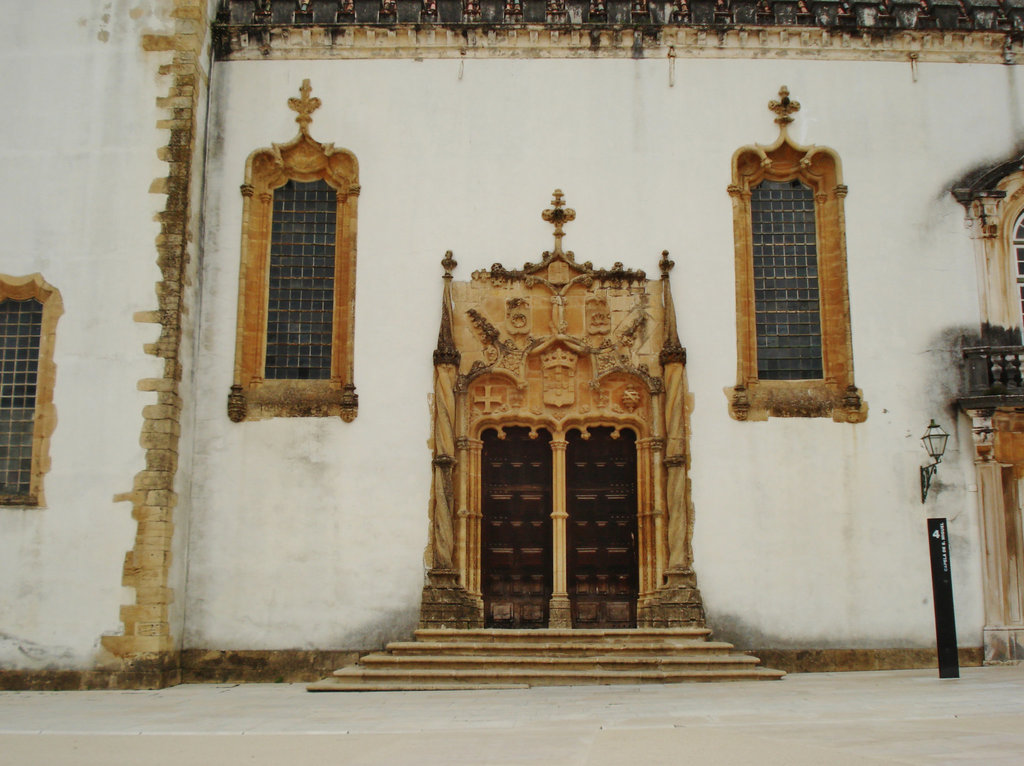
[(559, 345)]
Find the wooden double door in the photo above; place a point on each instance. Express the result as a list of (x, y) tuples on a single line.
[(518, 549)]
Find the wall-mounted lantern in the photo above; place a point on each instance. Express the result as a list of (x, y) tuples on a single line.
[(934, 441)]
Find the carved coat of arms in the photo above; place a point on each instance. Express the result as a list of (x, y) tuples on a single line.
[(559, 374)]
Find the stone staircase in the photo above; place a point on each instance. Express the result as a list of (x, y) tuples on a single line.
[(474, 659)]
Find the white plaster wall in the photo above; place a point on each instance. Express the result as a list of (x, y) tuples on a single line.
[(309, 533), (78, 152)]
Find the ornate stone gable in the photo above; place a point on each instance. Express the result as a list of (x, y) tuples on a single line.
[(558, 341)]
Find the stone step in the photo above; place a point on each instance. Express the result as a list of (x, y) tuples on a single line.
[(333, 684), (578, 636), (400, 663), (559, 648), (358, 678), (485, 658)]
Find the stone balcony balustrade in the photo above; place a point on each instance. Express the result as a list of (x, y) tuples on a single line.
[(993, 377)]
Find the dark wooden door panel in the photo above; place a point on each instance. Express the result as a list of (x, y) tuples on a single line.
[(601, 501), (516, 543)]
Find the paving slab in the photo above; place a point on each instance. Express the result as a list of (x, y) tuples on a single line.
[(838, 719)]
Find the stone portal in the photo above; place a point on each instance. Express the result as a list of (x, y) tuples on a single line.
[(560, 495)]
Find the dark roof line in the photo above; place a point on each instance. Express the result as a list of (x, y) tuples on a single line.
[(965, 15)]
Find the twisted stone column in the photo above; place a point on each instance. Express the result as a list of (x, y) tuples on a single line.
[(446, 603), (680, 525), (442, 511), (676, 602)]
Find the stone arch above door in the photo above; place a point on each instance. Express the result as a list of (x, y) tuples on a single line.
[(556, 346)]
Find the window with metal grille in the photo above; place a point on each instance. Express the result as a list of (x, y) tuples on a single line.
[(786, 295), (301, 295), (20, 333)]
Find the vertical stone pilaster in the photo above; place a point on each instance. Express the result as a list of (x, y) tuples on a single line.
[(475, 516), (461, 508), (646, 539), (984, 214), (660, 532), (999, 468), (993, 528)]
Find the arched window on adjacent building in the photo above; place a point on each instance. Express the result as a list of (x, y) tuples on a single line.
[(1017, 246)]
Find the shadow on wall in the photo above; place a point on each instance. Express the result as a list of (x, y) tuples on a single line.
[(297, 665), (393, 625), (945, 381), (981, 173)]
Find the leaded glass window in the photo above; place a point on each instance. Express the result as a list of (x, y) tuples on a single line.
[(786, 294), (301, 295), (1018, 250), (20, 334)]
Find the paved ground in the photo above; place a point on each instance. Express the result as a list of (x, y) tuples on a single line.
[(824, 719)]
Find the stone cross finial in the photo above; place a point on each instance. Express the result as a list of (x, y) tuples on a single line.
[(558, 215), (305, 106), (784, 107)]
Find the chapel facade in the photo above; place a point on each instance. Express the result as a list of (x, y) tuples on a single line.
[(366, 317)]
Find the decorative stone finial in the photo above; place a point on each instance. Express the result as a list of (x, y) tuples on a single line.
[(784, 107), (665, 264), (446, 351), (558, 215), (448, 264), (349, 402), (672, 351), (305, 106)]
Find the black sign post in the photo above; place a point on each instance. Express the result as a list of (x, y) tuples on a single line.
[(942, 596)]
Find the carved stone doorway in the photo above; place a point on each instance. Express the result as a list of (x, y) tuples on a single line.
[(602, 525), (585, 364), (516, 528)]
